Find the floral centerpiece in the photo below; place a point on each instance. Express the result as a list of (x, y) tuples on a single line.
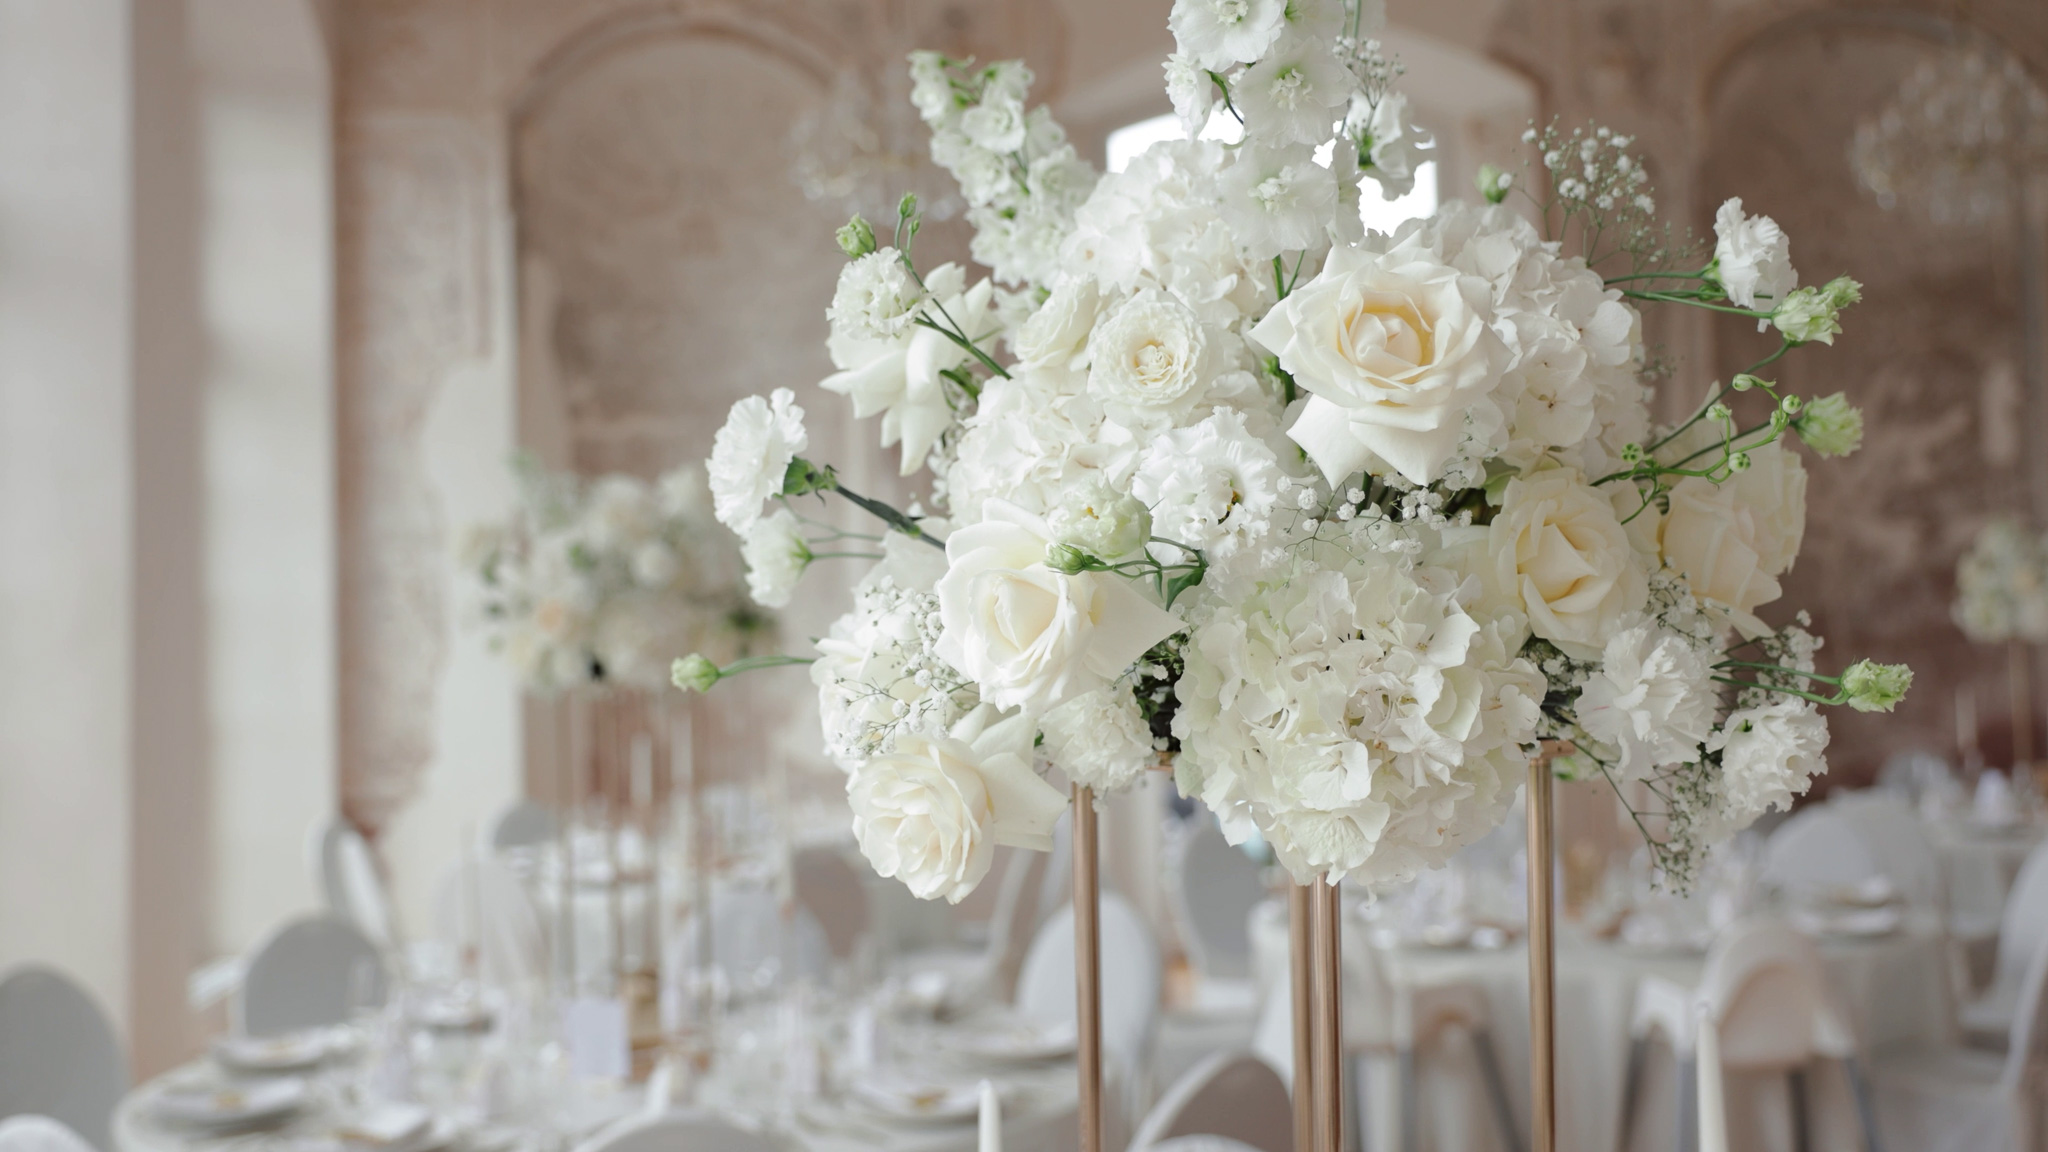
[(1343, 523), (597, 584), (2002, 585)]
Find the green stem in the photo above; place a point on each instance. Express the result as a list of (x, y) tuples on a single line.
[(972, 348), (1779, 668), (1677, 298), (1831, 700), (846, 556), (756, 663), (886, 515)]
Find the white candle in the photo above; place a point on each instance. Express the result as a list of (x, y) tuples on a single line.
[(991, 1120)]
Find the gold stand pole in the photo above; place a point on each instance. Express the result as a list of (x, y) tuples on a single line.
[(1327, 1059), (1542, 960), (1088, 968), (1300, 944)]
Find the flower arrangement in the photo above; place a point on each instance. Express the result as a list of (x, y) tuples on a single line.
[(2002, 585), (1343, 524), (599, 584)]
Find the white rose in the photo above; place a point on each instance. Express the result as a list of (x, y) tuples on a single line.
[(877, 298), (1150, 354), (1732, 540), (1752, 257), (1394, 348), (931, 812), (1031, 637), (1561, 552)]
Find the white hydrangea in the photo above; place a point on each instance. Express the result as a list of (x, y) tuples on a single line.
[(1100, 739), (776, 555), (1157, 223), (750, 456), (1651, 698), (1770, 753)]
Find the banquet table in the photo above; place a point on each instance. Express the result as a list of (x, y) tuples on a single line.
[(1889, 986)]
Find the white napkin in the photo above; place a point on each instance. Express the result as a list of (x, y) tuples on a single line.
[(388, 1123)]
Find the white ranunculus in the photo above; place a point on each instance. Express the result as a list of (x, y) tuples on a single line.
[(776, 555), (1652, 699), (1277, 199), (1292, 96), (1150, 354), (1099, 739), (932, 811), (1732, 540), (1770, 753), (877, 298), (1752, 258), (750, 455), (1561, 550), (1394, 348), (1031, 637), (901, 379), (1220, 33)]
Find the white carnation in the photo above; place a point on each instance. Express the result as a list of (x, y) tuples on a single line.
[(1752, 258), (902, 380), (1652, 699), (1099, 739), (776, 555), (1769, 754), (877, 298), (750, 455), (1212, 485)]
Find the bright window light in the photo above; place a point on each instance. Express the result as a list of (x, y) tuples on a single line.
[(1127, 143)]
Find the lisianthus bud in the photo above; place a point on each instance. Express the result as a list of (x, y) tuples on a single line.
[(856, 237), (1494, 183), (693, 673), (1874, 687), (1101, 521), (1814, 314), (1831, 426), (1067, 559)]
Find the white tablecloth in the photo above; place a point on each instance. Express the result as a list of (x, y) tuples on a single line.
[(1889, 986)]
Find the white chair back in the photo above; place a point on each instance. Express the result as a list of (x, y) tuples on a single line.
[(1203, 1144), (1014, 924), (307, 975), (2029, 1037), (1214, 891), (2023, 930), (831, 891), (1130, 979), (1817, 851), (522, 824), (58, 1055), (481, 904), (29, 1133), (748, 944), (1231, 1095), (1766, 992), (348, 878), (1897, 836), (681, 1132)]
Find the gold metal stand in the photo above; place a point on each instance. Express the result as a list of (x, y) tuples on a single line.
[(1300, 943), (1327, 1028), (1542, 959), (1088, 968)]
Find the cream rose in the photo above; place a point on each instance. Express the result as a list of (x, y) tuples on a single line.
[(1561, 553), (1395, 349), (1732, 540), (931, 812), (1031, 637)]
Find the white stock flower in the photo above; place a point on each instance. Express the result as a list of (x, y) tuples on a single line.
[(1652, 699), (1099, 739), (777, 555), (750, 455), (1028, 636), (1192, 92), (1733, 540), (1769, 754), (1220, 33), (877, 298), (1278, 199), (1394, 348), (1563, 555), (1211, 485), (1752, 258), (1394, 146), (901, 379), (997, 123), (1292, 96), (1149, 355), (931, 812)]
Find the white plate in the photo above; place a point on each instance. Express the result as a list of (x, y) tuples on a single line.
[(292, 1052), (1858, 922), (225, 1106), (917, 1100), (1014, 1043)]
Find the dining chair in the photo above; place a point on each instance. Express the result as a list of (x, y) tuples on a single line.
[(347, 875), (827, 885), (681, 1132), (1213, 891), (2021, 932), (481, 903), (59, 1058), (307, 975), (1203, 1144), (1968, 1100), (1130, 982), (32, 1133), (522, 824), (1388, 1017), (1232, 1096), (1761, 1006), (1817, 851)]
